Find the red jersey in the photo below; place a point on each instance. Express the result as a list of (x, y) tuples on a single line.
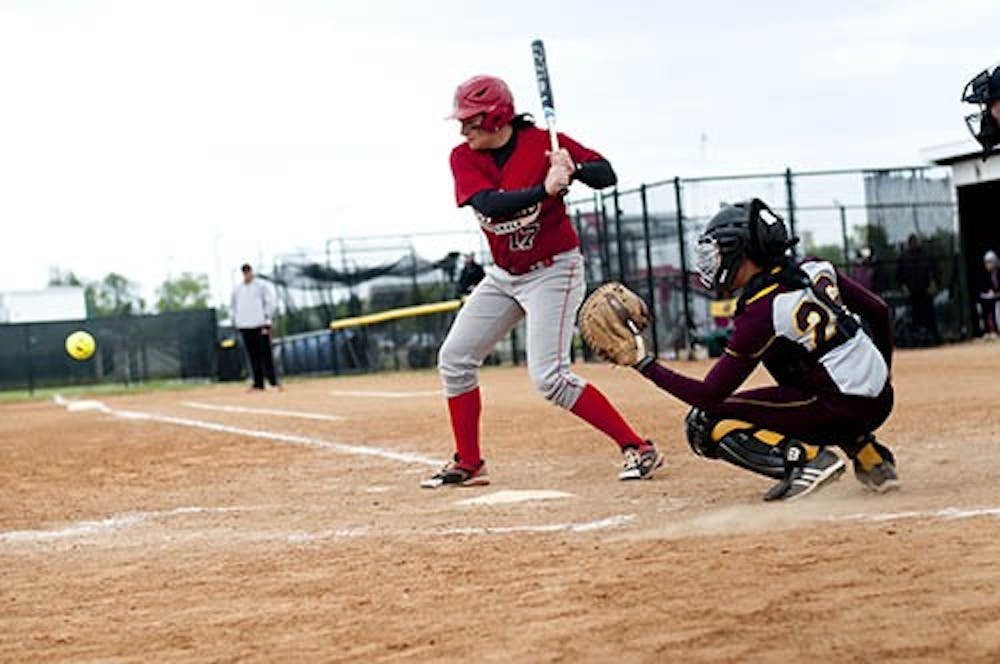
[(547, 229)]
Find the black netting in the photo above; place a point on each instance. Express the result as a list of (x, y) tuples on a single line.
[(130, 349)]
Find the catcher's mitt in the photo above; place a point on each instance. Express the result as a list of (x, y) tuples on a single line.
[(612, 320)]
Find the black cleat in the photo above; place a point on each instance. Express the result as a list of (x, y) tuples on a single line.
[(802, 477), (456, 475), (640, 463), (882, 477)]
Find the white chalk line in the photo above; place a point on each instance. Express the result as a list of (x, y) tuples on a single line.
[(109, 524), (510, 496), (616, 521), (263, 411), (127, 520), (118, 522), (946, 514), (386, 395), (587, 526), (307, 441)]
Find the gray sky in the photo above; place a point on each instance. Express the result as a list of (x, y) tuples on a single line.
[(151, 138)]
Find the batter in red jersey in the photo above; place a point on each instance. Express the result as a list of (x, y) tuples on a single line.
[(507, 174)]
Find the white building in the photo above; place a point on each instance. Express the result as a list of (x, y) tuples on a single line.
[(54, 303), (902, 204)]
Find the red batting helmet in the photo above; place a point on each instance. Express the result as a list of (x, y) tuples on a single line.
[(484, 94)]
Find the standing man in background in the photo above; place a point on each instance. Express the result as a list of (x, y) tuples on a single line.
[(989, 294), (470, 276), (253, 307), (917, 275)]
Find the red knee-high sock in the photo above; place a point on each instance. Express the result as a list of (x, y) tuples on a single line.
[(595, 408), (464, 411)]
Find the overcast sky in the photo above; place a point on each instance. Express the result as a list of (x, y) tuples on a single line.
[(152, 138)]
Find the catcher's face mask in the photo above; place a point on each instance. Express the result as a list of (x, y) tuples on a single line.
[(984, 91), (708, 261)]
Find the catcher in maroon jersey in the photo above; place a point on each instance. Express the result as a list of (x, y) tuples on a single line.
[(505, 172), (825, 339)]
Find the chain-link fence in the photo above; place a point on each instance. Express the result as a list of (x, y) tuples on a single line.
[(862, 220), (130, 349), (893, 229)]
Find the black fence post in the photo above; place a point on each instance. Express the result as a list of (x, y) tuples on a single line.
[(413, 275), (650, 287), (604, 240), (685, 287), (618, 236), (790, 195), (843, 235), (966, 326), (578, 222)]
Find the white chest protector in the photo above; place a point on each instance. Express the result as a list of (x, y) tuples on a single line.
[(854, 364)]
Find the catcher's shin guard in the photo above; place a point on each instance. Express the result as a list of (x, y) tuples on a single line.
[(740, 443)]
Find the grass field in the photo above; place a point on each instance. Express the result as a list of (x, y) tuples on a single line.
[(209, 524)]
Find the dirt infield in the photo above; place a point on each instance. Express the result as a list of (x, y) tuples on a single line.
[(215, 525)]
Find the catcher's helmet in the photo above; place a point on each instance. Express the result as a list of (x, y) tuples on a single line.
[(749, 229), (983, 90), (484, 94)]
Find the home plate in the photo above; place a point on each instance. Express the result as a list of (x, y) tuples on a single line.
[(508, 496), (77, 406)]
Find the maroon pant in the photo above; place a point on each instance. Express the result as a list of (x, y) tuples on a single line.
[(824, 418)]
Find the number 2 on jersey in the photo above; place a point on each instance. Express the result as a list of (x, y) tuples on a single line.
[(813, 320)]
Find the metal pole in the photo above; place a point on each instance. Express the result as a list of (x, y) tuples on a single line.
[(650, 287), (602, 235), (618, 236), (843, 235), (685, 287), (220, 280), (578, 222), (413, 275), (790, 195)]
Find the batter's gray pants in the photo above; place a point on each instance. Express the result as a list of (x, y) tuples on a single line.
[(548, 298)]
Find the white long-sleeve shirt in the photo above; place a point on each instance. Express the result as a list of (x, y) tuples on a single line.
[(253, 305)]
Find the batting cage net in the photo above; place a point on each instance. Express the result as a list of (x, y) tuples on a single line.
[(357, 280), (129, 349)]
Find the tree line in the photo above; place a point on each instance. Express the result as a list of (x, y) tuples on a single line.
[(117, 295)]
